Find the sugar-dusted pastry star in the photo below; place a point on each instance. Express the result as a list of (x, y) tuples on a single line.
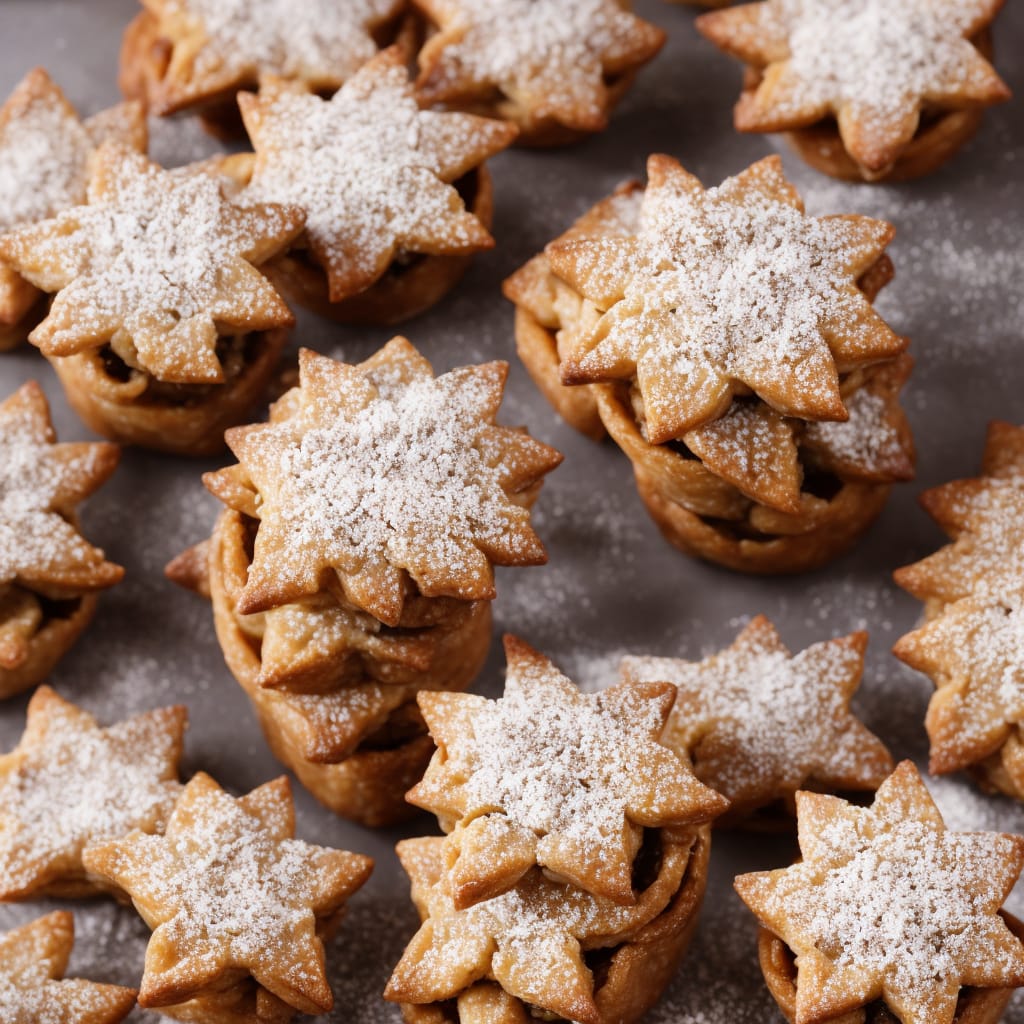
[(221, 46), (972, 644), (724, 290), (974, 651), (44, 156), (372, 171), (71, 783), (553, 58), (227, 889), (551, 776), (41, 483), (368, 475), (984, 517), (758, 723), (875, 444), (875, 65), (531, 940), (156, 264), (887, 904), (33, 990)]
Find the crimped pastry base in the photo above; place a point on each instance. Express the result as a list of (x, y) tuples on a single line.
[(369, 786), (119, 411), (977, 1006), (638, 971)]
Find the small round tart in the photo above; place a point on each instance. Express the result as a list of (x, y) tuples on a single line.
[(625, 956), (881, 90), (759, 408), (195, 55), (45, 150), (396, 198), (160, 319), (889, 913), (49, 573), (554, 68), (778, 965)]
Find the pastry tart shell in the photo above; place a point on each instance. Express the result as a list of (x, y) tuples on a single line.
[(52, 641), (402, 292), (703, 515), (976, 1005), (369, 785), (637, 971), (194, 425)]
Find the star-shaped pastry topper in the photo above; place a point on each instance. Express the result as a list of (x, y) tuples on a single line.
[(984, 516), (41, 483), (44, 157), (33, 959), (758, 723), (875, 65), (221, 46), (370, 474), (888, 904), (71, 783), (531, 940), (226, 889), (875, 444), (974, 651), (372, 171), (547, 775), (973, 644), (726, 291), (554, 59), (158, 264)]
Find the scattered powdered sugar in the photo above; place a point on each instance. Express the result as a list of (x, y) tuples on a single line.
[(909, 903), (156, 254), (412, 477), (315, 39), (35, 539), (369, 168), (771, 719), (867, 438), (555, 760), (879, 55), (733, 282), (545, 53), (43, 156), (84, 785)]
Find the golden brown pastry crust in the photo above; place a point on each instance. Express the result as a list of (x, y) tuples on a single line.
[(636, 972), (145, 63), (825, 482), (977, 1005), (366, 785), (405, 290), (185, 420), (557, 83)]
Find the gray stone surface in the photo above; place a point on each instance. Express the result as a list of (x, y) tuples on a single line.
[(612, 584)]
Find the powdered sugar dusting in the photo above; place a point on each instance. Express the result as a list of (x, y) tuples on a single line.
[(866, 439), (555, 760), (755, 718), (83, 785), (879, 55), (368, 167), (315, 39), (547, 54), (43, 156)]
